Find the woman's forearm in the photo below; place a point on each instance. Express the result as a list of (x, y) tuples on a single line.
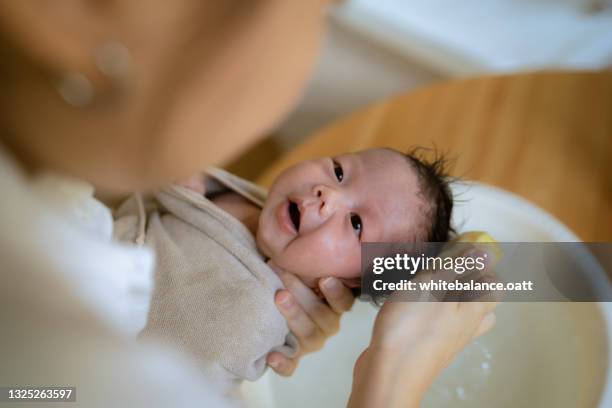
[(382, 379)]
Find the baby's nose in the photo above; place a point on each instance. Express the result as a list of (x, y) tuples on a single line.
[(329, 200)]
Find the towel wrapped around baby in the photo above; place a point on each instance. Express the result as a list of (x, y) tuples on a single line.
[(213, 296)]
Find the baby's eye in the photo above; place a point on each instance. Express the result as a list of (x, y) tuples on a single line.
[(338, 171), (356, 224)]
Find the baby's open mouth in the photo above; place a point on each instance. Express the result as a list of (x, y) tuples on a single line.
[(294, 215)]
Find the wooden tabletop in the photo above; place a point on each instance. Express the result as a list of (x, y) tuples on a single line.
[(545, 136)]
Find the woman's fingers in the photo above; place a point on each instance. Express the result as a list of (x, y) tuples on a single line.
[(339, 297), (484, 312), (309, 335), (309, 317), (479, 308), (305, 296), (282, 365), (322, 315), (486, 324)]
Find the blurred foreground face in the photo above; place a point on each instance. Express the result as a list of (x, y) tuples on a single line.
[(205, 79)]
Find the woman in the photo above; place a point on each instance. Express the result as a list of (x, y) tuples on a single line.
[(127, 96)]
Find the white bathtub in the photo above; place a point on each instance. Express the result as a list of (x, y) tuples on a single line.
[(538, 355)]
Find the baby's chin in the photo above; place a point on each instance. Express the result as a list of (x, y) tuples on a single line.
[(311, 282)]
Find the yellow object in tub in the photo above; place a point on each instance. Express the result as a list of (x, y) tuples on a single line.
[(476, 237)]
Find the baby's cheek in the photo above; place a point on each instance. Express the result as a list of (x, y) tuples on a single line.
[(334, 257), (353, 269), (269, 241), (346, 265), (265, 241), (347, 258), (305, 257)]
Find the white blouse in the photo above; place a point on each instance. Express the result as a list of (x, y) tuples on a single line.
[(56, 213), (72, 301), (119, 279)]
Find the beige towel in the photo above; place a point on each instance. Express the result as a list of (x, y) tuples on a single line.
[(214, 293)]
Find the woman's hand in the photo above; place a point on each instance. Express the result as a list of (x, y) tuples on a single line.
[(309, 318), (412, 342)]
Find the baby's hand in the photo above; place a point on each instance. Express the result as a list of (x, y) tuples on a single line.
[(309, 317), (194, 183)]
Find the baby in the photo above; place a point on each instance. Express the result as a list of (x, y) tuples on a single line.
[(215, 235), (318, 212)]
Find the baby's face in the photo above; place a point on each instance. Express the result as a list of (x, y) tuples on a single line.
[(318, 212)]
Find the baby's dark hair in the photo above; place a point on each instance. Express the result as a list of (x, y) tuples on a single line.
[(434, 186), (434, 183)]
